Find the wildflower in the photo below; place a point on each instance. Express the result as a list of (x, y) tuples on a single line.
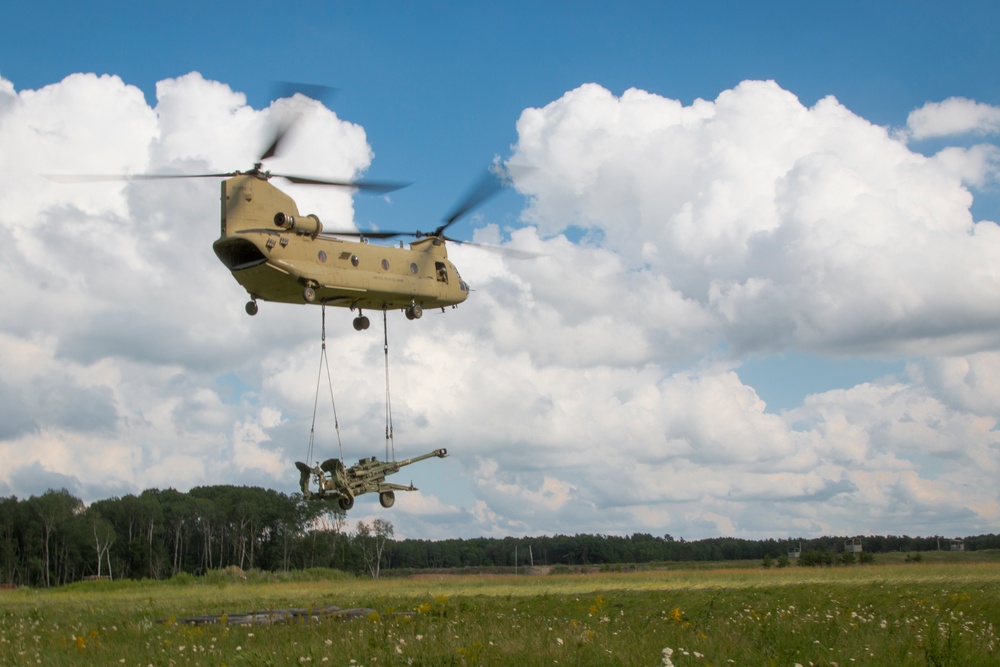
[(677, 615), (559, 641)]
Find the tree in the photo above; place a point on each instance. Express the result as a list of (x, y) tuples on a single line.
[(104, 537), (371, 540), (55, 509)]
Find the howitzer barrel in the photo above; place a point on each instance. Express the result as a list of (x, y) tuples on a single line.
[(440, 453)]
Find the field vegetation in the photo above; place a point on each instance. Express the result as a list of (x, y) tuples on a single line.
[(941, 610)]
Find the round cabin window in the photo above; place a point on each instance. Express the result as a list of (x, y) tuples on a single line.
[(354, 260), (385, 265), (413, 268)]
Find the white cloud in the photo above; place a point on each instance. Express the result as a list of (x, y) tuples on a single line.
[(978, 166), (782, 225), (590, 390), (955, 115)]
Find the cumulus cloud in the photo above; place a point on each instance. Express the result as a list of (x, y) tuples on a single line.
[(775, 224), (593, 389), (954, 116)]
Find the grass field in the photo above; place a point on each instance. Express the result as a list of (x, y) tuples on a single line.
[(940, 611)]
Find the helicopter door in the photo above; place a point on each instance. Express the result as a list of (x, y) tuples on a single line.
[(441, 270)]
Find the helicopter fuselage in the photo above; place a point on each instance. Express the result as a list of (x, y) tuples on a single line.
[(279, 255)]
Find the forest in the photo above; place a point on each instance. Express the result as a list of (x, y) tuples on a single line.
[(55, 539)]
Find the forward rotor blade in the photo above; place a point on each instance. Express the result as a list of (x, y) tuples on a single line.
[(279, 134), (375, 186), (104, 178), (289, 89), (314, 91)]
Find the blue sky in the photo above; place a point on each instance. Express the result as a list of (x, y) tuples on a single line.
[(846, 336)]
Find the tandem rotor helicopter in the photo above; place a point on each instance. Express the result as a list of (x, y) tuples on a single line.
[(279, 255)]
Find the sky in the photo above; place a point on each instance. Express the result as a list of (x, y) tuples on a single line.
[(764, 301)]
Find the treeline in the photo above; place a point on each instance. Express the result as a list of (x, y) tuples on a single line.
[(580, 550), (54, 539)]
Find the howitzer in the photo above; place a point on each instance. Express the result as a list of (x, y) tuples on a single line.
[(342, 484)]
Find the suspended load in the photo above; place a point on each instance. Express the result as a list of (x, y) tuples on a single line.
[(342, 485), (334, 480)]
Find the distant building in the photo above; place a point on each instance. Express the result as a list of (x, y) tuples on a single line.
[(795, 552), (853, 545), (957, 545)]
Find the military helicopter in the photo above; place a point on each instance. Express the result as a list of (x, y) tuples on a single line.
[(277, 254), (280, 255)]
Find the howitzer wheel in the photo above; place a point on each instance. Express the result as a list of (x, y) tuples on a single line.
[(387, 499), (346, 502)]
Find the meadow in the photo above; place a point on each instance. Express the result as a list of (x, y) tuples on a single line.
[(939, 611)]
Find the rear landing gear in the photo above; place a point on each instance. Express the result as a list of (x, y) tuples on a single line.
[(414, 312), (361, 323), (251, 307)]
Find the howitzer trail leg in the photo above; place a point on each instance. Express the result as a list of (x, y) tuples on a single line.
[(304, 473)]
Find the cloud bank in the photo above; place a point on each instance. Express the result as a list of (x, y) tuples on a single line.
[(595, 389)]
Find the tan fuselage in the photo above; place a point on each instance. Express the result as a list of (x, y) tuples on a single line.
[(277, 261)]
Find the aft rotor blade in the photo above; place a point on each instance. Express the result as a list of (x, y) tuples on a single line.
[(487, 187), (513, 253), (368, 235)]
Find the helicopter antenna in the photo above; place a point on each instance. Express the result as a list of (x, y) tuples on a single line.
[(324, 362), (388, 400)]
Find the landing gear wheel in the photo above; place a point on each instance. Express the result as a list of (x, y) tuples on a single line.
[(361, 323), (387, 499), (251, 307), (309, 294), (346, 502), (414, 312)]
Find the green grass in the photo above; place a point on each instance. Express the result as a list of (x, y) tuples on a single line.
[(926, 613)]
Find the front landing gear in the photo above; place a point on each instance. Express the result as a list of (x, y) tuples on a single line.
[(414, 311), (361, 323), (251, 307)]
